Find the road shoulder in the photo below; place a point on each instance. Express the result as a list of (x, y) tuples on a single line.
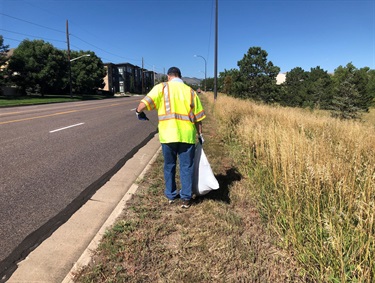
[(70, 246)]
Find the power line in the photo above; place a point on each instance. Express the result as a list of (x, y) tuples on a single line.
[(101, 48), (31, 23), (49, 12), (31, 35), (42, 26), (35, 24), (12, 39)]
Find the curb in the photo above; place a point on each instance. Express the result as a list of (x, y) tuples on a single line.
[(86, 256)]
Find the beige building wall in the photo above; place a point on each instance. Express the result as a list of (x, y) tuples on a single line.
[(106, 81), (280, 78), (8, 55)]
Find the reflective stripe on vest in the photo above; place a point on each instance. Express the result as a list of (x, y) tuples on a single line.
[(168, 112), (150, 102)]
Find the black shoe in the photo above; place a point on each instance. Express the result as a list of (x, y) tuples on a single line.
[(185, 203)]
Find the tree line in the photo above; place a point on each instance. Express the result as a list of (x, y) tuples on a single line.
[(347, 92), (37, 66)]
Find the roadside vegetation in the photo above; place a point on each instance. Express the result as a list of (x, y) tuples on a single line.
[(36, 66), (313, 180), (296, 201), (295, 204), (20, 101)]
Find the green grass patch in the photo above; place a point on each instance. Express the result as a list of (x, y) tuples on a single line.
[(35, 100)]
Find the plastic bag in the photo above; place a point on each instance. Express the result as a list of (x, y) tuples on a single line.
[(204, 178)]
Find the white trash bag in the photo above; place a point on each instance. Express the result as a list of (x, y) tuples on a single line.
[(204, 178)]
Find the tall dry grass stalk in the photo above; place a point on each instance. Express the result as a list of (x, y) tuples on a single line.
[(314, 180)]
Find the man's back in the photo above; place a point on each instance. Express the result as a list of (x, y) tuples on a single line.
[(179, 109)]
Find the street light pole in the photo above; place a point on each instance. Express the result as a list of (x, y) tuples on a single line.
[(70, 71), (70, 65), (85, 55), (205, 71), (216, 52)]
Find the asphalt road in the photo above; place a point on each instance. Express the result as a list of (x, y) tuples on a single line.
[(53, 158)]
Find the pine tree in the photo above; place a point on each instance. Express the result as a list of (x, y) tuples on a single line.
[(345, 104)]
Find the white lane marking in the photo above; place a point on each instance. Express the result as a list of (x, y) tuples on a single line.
[(66, 127)]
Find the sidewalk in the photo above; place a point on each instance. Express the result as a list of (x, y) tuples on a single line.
[(70, 246)]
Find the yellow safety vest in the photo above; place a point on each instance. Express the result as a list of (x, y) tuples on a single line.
[(179, 108)]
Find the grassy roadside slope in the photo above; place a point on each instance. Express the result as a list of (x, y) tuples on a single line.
[(219, 239), (313, 179), (296, 204)]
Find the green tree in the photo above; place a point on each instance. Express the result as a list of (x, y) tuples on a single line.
[(38, 65), (209, 82), (352, 92), (319, 88), (360, 79), (227, 84), (344, 104), (231, 82), (87, 72), (295, 87), (370, 89), (3, 58), (258, 75)]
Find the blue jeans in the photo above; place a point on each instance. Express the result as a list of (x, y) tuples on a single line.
[(185, 153)]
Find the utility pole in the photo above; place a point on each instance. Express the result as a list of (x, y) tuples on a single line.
[(143, 77), (153, 75), (216, 39), (70, 64)]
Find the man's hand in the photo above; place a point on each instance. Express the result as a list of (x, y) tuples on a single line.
[(141, 115), (201, 139)]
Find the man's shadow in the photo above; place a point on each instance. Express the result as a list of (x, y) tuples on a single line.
[(225, 182)]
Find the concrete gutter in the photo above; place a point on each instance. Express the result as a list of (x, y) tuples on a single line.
[(70, 247)]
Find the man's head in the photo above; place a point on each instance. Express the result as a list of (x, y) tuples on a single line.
[(174, 72)]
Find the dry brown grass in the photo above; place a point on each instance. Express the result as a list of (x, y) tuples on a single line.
[(369, 118), (219, 239), (314, 178), (296, 204)]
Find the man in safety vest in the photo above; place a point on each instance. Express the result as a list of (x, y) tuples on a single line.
[(180, 113)]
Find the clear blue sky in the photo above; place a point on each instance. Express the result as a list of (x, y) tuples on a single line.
[(296, 33)]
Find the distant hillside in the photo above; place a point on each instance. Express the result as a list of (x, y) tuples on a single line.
[(188, 80), (192, 81)]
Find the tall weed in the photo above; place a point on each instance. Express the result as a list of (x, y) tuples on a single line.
[(314, 178)]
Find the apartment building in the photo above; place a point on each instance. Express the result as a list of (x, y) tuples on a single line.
[(120, 78), (128, 78)]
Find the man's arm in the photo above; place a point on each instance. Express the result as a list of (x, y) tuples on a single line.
[(140, 107), (139, 111), (198, 126)]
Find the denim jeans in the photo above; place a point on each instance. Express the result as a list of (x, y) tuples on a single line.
[(185, 153)]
